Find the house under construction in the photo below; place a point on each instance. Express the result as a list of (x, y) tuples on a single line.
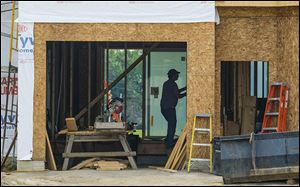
[(228, 68)]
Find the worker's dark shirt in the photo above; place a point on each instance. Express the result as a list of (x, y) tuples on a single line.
[(170, 95)]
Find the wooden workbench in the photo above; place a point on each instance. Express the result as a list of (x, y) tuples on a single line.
[(97, 136)]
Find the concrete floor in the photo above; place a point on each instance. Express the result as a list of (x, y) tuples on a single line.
[(140, 177)]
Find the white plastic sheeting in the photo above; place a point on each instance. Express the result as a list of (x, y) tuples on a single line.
[(117, 11), (88, 12), (26, 87)]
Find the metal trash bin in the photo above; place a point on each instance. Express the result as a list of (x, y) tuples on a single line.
[(232, 155)]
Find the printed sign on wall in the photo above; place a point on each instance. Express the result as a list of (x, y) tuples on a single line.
[(26, 82)]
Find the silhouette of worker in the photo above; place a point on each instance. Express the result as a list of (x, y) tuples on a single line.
[(170, 96)]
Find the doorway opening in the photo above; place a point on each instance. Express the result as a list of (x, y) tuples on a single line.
[(244, 90), (77, 72)]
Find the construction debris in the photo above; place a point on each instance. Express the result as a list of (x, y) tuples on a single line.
[(110, 165), (177, 159), (107, 164), (163, 169)]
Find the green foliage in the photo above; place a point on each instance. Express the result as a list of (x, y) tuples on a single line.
[(134, 81)]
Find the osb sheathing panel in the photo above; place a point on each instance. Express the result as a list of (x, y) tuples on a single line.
[(288, 68), (252, 12), (247, 34), (200, 38)]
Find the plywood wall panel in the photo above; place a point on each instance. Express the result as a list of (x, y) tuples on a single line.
[(288, 68), (269, 34)]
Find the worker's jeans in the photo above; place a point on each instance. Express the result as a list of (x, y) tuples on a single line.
[(170, 116)]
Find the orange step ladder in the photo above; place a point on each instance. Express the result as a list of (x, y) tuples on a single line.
[(276, 107)]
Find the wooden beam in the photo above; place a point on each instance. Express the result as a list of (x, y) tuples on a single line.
[(256, 3), (84, 163), (64, 94), (71, 77), (162, 169), (99, 154), (115, 82), (53, 92), (177, 148), (89, 80), (49, 154)]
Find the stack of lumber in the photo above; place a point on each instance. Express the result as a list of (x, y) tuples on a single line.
[(110, 165), (107, 164), (178, 157)]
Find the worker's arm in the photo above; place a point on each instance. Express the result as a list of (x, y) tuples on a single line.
[(182, 89), (182, 95)]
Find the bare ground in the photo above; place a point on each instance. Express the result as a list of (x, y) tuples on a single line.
[(140, 177)]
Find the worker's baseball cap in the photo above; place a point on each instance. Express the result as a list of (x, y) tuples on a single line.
[(173, 72)]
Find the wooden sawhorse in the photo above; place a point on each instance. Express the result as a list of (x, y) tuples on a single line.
[(98, 136)]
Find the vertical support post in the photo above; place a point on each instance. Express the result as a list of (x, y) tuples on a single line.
[(59, 103), (255, 78), (98, 75), (71, 77), (89, 81), (102, 76), (263, 79), (107, 71), (125, 93), (235, 91), (64, 97), (148, 92), (210, 147), (144, 98), (53, 122)]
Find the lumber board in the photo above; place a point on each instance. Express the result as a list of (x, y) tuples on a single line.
[(94, 132), (176, 149), (162, 169), (98, 154), (248, 115), (173, 153), (110, 165), (49, 154), (84, 164), (63, 132), (182, 151), (109, 169), (180, 158), (184, 164), (116, 159), (71, 124), (166, 170)]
